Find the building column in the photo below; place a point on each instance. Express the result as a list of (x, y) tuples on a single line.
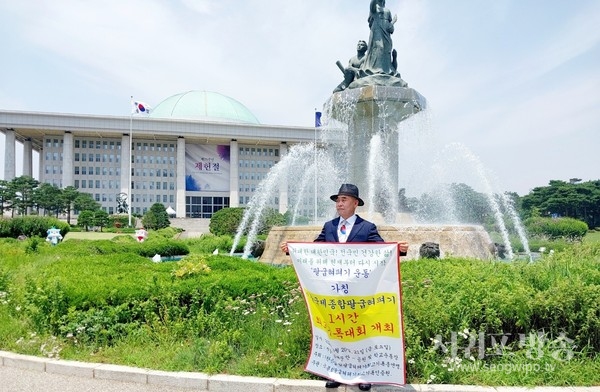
[(9, 158), (283, 186), (234, 176), (41, 164), (180, 207), (125, 168), (27, 158), (67, 164)]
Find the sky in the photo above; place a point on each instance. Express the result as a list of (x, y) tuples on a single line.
[(516, 82)]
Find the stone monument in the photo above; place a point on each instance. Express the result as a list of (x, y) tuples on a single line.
[(371, 101)]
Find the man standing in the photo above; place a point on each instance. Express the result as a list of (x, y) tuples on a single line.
[(349, 227)]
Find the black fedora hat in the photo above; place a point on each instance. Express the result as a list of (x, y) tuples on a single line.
[(348, 190)]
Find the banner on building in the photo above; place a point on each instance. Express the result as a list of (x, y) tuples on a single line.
[(207, 168), (353, 295)]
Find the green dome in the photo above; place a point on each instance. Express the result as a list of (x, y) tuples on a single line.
[(204, 105)]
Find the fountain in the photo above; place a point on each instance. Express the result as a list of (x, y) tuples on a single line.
[(373, 136)]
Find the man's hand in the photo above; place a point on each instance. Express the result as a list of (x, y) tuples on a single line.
[(402, 248), (284, 247)]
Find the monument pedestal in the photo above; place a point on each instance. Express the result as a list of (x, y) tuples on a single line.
[(368, 111), (455, 240)]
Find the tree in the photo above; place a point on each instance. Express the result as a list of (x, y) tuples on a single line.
[(69, 195), (402, 200), (48, 197), (100, 218), (5, 196), (22, 193), (471, 207), (156, 218), (85, 202), (85, 219), (561, 199), (88, 218)]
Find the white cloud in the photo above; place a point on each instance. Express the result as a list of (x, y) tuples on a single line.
[(200, 6)]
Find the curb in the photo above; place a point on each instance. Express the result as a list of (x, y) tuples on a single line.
[(227, 383)]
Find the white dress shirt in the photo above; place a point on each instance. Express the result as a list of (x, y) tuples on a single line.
[(349, 224)]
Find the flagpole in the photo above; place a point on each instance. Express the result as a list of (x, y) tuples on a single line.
[(130, 148), (316, 169)]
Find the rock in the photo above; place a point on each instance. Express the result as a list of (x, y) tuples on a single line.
[(258, 248), (429, 250), (500, 250)]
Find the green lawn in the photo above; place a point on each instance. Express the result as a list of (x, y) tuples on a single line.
[(90, 235), (592, 237)]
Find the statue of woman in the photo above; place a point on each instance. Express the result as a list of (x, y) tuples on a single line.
[(379, 55)]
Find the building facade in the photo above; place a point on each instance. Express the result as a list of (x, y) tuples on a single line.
[(196, 152)]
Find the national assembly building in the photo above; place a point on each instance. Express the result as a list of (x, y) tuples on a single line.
[(196, 152)]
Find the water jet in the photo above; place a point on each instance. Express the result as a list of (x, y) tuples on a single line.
[(376, 133)]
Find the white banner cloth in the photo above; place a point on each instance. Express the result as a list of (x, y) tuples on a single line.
[(352, 291)]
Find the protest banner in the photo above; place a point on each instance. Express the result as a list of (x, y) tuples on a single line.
[(352, 291)]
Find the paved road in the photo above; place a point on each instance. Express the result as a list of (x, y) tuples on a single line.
[(22, 380), (23, 373)]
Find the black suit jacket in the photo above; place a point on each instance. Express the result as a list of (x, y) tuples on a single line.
[(362, 231)]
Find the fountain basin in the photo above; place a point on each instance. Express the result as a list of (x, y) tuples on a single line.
[(470, 241)]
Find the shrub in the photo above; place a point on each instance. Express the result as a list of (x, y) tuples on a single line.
[(124, 238), (33, 244), (45, 305), (4, 280), (299, 219), (207, 243), (551, 228), (125, 244), (226, 221), (118, 221), (269, 219), (4, 227), (156, 218), (191, 265), (167, 233), (96, 247), (165, 248), (542, 245), (31, 226)]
